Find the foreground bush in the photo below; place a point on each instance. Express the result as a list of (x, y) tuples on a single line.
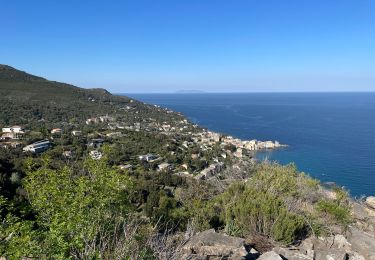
[(76, 213), (248, 212), (278, 202)]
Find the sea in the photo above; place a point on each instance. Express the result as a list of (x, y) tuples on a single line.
[(330, 136)]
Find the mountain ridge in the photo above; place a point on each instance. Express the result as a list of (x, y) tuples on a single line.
[(10, 73), (24, 95)]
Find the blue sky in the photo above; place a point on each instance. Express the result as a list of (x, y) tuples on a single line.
[(211, 45)]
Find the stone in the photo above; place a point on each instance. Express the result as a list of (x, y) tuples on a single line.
[(306, 245), (291, 254), (239, 253), (299, 256), (362, 242), (253, 251), (253, 254), (285, 252), (359, 211), (209, 243), (337, 256), (341, 242), (310, 253), (271, 255), (331, 254), (356, 256), (370, 201)]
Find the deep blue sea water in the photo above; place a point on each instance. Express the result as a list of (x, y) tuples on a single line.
[(331, 136)]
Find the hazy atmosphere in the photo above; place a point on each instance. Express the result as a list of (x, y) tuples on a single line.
[(214, 46)]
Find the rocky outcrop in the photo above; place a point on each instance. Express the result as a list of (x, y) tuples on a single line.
[(358, 243), (362, 242), (357, 246), (370, 201), (212, 245)]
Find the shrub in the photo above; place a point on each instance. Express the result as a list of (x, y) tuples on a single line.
[(78, 210), (243, 210), (339, 214), (259, 212)]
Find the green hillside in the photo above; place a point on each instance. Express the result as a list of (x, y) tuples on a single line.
[(25, 97)]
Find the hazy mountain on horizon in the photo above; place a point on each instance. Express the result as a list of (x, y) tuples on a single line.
[(190, 91)]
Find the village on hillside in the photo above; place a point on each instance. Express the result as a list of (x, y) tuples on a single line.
[(208, 151)]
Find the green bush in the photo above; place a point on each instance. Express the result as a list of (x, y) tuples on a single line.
[(77, 210), (259, 212), (339, 214), (243, 210)]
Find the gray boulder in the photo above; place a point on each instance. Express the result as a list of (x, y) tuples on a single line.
[(271, 255), (370, 201), (293, 253), (356, 256), (331, 254), (210, 244), (362, 242)]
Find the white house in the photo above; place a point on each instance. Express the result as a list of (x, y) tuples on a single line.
[(96, 155), (14, 132), (164, 166), (76, 133), (38, 147), (93, 120), (13, 129), (125, 167), (56, 131), (67, 154), (148, 157)]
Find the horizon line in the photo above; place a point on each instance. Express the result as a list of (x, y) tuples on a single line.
[(251, 92)]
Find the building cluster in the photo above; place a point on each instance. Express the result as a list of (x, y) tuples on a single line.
[(197, 142), (207, 139), (210, 171), (100, 119), (150, 125)]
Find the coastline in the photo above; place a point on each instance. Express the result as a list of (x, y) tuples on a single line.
[(319, 129)]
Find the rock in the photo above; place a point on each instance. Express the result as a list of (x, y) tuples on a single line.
[(271, 255), (239, 253), (291, 254), (300, 256), (307, 244), (341, 242), (211, 244), (356, 256), (332, 254), (362, 242), (310, 253), (359, 211), (253, 254), (338, 256), (193, 257), (285, 252), (370, 201), (253, 251)]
